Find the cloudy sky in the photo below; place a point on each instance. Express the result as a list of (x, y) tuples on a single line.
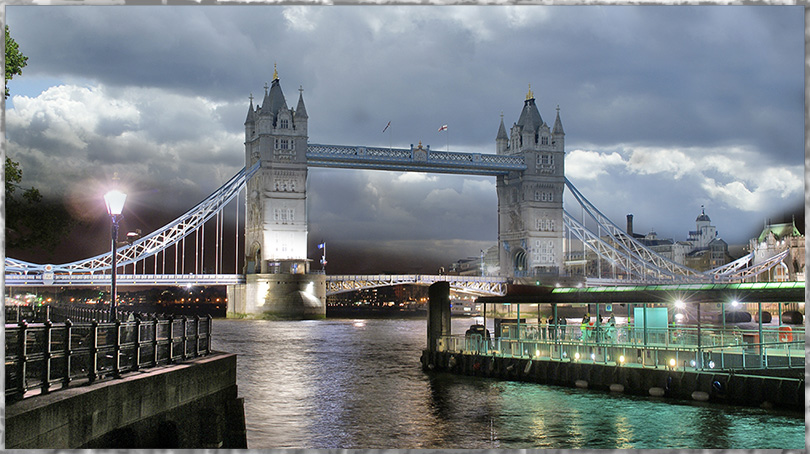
[(665, 109)]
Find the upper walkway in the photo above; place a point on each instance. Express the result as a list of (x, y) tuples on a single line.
[(417, 159)]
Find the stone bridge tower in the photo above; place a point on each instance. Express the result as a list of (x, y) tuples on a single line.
[(278, 281), (530, 203)]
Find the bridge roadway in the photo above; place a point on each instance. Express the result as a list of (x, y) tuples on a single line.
[(479, 285)]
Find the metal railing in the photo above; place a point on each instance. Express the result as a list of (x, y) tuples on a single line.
[(40, 356), (671, 347)]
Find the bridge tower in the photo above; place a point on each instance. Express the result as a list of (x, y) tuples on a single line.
[(278, 281), (530, 202)]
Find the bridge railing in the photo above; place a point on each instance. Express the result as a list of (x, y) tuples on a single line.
[(41, 356)]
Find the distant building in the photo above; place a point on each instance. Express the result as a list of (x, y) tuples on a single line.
[(703, 249), (774, 239)]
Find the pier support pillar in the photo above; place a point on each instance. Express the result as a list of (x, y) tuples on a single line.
[(438, 313), (279, 296)]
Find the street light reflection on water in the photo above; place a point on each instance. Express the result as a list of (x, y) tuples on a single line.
[(358, 384)]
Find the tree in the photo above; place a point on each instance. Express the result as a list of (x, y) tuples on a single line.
[(15, 60), (31, 221)]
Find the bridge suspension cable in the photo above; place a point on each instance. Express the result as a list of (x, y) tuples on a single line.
[(157, 241)]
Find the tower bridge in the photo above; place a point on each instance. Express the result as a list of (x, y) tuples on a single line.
[(535, 232)]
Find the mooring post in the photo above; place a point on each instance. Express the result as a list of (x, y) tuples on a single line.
[(438, 313)]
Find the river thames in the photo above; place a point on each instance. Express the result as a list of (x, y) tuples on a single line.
[(358, 384)]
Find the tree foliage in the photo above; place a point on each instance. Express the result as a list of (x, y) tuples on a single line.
[(15, 60), (31, 220)]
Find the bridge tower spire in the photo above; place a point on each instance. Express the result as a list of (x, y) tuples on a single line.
[(276, 266), (530, 205)]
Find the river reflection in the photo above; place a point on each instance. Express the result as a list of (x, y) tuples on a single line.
[(359, 385)]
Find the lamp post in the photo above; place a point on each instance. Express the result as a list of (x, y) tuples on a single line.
[(115, 206), (322, 245)]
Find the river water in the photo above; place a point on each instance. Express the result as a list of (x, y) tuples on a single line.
[(358, 384)]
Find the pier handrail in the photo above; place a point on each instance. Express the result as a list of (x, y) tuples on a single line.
[(42, 355), (719, 349)]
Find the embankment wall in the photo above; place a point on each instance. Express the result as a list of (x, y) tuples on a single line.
[(189, 405)]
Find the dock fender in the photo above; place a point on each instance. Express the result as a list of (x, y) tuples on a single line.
[(528, 367), (700, 396), (490, 364), (451, 363)]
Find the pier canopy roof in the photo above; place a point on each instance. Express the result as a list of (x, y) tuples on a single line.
[(746, 292)]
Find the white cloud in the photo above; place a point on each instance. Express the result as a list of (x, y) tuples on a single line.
[(649, 161), (590, 165), (70, 138), (300, 18), (72, 113)]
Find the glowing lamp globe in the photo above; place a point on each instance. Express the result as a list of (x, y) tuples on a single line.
[(115, 202)]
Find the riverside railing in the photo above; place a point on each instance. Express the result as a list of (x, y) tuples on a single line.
[(40, 356), (671, 347)]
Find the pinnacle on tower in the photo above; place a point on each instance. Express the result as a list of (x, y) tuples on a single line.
[(251, 112), (300, 110), (558, 128)]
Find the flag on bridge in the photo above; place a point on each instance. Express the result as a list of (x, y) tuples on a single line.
[(386, 126), (322, 245), (443, 128)]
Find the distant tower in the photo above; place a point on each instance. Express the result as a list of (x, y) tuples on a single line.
[(530, 203), (276, 265), (705, 232)]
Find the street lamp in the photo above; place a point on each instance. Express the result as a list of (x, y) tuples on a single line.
[(115, 206), (322, 245)]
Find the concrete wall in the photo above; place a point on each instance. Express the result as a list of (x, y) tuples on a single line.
[(189, 405), (280, 295), (736, 389)]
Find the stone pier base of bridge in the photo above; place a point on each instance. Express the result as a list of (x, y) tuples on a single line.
[(785, 392), (279, 296), (193, 404)]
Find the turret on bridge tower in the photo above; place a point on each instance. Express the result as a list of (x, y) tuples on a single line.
[(530, 202)]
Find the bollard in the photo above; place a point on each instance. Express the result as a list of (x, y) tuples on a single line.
[(197, 337), (171, 339), (68, 352), (93, 369), (208, 334), (185, 336), (46, 358), (136, 363), (117, 350), (155, 340), (22, 367)]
